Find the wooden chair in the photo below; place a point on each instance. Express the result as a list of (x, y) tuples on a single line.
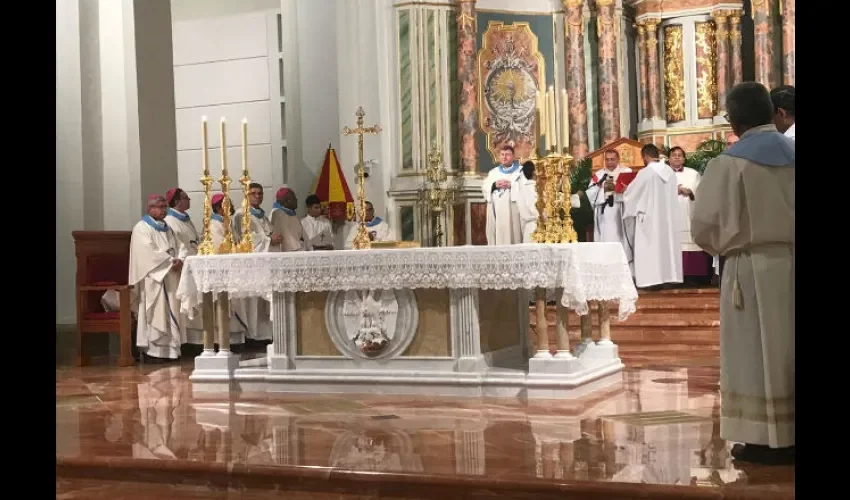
[(103, 263)]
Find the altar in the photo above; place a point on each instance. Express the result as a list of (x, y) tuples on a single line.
[(438, 321)]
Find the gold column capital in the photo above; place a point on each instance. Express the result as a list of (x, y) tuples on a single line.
[(573, 4), (604, 3)]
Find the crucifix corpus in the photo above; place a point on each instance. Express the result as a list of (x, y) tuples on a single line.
[(361, 240)]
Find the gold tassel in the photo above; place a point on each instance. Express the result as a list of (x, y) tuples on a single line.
[(737, 296)]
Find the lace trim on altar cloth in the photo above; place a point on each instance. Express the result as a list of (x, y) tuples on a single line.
[(584, 271)]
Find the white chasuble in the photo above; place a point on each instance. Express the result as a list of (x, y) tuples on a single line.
[(285, 223), (153, 248), (503, 226), (651, 209), (608, 226), (317, 231), (526, 194), (261, 228), (689, 178), (745, 212), (185, 232), (377, 228)]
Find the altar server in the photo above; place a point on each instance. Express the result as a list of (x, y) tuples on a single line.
[(376, 227), (784, 116), (156, 257), (503, 226), (179, 222), (262, 236), (696, 264), (318, 232), (651, 212), (285, 222), (745, 212), (238, 327), (607, 206), (527, 201)]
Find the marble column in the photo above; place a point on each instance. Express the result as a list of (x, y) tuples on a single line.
[(735, 48), (468, 81), (576, 83), (764, 12), (653, 71), (643, 84), (721, 21), (609, 88), (789, 17)]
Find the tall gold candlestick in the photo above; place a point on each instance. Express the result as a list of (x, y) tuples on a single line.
[(206, 246), (246, 245), (228, 243), (361, 240), (568, 232)]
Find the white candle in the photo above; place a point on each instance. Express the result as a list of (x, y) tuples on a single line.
[(552, 138), (223, 149), (541, 116), (565, 119), (245, 146), (205, 158)]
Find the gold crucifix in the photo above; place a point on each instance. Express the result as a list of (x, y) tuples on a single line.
[(361, 240)]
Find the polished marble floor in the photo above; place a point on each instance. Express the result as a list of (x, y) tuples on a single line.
[(658, 427)]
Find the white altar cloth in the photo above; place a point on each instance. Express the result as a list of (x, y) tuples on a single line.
[(584, 271)]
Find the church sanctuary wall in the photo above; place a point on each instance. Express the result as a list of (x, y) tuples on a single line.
[(114, 122), (227, 64)]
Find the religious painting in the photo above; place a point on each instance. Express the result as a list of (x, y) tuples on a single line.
[(511, 71)]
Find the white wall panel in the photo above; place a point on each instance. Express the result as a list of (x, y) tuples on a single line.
[(220, 39), (221, 82), (257, 113), (259, 166)]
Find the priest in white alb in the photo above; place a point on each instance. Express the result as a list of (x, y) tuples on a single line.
[(651, 202), (179, 221), (745, 213), (156, 258), (318, 231), (696, 264), (285, 222), (503, 226), (238, 327), (257, 310), (376, 227), (527, 201), (608, 223)]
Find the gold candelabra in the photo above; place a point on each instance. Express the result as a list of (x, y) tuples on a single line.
[(227, 246), (246, 245), (437, 193), (206, 247), (361, 240)]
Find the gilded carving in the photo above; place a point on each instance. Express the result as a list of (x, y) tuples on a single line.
[(706, 71), (674, 74)]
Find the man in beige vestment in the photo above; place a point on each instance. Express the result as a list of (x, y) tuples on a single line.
[(285, 222), (156, 258), (745, 214), (180, 222)]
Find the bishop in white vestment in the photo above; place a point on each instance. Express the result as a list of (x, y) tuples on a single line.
[(317, 229), (696, 264), (180, 222), (504, 226), (156, 257), (238, 327), (608, 223), (285, 222), (257, 311), (651, 201), (376, 227), (745, 213)]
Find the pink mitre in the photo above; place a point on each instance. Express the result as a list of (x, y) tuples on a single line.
[(282, 192), (217, 198), (154, 197), (169, 195)]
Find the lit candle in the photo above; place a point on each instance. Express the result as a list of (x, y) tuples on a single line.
[(565, 119), (245, 146), (551, 138), (223, 149), (205, 157)]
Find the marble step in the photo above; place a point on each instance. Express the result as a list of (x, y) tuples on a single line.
[(678, 319)]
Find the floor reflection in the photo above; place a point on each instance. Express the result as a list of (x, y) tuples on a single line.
[(661, 426)]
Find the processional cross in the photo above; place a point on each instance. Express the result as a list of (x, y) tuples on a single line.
[(361, 240)]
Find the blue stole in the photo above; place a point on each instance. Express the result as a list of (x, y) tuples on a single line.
[(258, 212), (159, 225), (177, 215), (374, 222), (285, 210), (218, 217), (507, 171)]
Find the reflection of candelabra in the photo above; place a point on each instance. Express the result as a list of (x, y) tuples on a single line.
[(437, 194), (206, 247), (247, 244)]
